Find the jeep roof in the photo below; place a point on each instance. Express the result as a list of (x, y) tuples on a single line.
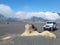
[(51, 22)]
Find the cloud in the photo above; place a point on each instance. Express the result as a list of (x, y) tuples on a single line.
[(8, 12), (52, 16), (26, 15), (44, 15)]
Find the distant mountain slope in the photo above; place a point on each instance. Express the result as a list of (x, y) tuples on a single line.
[(32, 19), (36, 19), (12, 20), (7, 19), (2, 18)]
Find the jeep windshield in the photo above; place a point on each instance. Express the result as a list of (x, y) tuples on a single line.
[(49, 22)]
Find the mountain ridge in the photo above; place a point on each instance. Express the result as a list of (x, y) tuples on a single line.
[(32, 19)]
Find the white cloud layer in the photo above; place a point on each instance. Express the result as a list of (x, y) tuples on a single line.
[(7, 11), (44, 15)]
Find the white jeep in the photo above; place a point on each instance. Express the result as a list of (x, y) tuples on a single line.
[(50, 26)]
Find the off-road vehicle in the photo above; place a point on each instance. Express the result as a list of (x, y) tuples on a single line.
[(50, 26)]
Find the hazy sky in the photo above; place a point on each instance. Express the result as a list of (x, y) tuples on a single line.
[(24, 9), (33, 5)]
